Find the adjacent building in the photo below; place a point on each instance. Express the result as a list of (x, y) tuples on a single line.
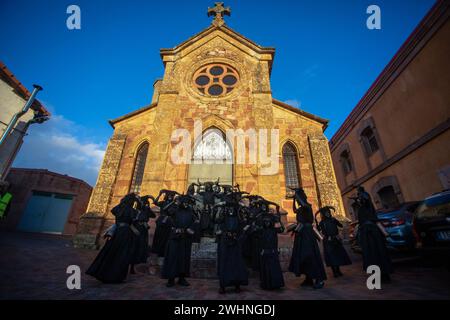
[(396, 141), (13, 96), (45, 201)]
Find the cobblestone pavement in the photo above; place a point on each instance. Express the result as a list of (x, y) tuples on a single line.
[(33, 266)]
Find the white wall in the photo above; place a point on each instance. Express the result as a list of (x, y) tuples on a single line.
[(11, 103)]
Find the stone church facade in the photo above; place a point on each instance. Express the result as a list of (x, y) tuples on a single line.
[(222, 79)]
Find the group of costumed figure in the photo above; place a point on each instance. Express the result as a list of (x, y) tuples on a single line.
[(246, 229)]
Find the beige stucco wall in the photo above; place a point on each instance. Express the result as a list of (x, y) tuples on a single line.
[(416, 102), (11, 103)]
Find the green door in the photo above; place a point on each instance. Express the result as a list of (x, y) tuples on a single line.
[(46, 212)]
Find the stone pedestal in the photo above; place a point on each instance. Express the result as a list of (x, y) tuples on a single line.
[(204, 258)]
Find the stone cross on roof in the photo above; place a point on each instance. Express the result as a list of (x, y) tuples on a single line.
[(218, 12)]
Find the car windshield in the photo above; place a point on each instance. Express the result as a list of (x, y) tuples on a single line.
[(434, 207)]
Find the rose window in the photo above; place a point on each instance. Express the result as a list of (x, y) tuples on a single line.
[(216, 80)]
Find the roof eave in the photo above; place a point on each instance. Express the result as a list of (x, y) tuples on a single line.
[(20, 89), (308, 115), (164, 52), (112, 122)]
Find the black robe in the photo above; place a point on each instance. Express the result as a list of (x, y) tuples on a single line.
[(141, 224), (333, 249), (252, 245), (112, 262), (370, 238), (306, 258), (206, 219), (162, 231), (177, 258), (231, 268), (270, 272)]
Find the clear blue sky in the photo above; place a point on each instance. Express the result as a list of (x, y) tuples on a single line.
[(325, 60)]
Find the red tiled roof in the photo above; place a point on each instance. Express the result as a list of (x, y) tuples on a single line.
[(7, 76), (47, 172)]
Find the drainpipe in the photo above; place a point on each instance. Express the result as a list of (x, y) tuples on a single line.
[(16, 117)]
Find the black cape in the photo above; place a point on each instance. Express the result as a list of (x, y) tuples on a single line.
[(162, 231), (231, 268), (333, 249), (270, 272), (141, 251), (306, 258), (370, 238), (112, 262), (252, 242), (177, 258)]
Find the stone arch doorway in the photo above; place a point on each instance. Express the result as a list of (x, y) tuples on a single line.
[(212, 158)]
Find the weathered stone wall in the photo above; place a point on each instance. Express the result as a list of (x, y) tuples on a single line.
[(329, 193), (93, 221)]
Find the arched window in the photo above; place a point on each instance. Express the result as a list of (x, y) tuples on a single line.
[(369, 141), (139, 166), (388, 197), (346, 162), (291, 172), (213, 147), (212, 158)]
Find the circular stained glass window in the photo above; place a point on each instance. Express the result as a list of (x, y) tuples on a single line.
[(215, 90), (216, 80), (216, 70), (202, 80)]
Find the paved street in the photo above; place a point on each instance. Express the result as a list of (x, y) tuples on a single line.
[(33, 266)]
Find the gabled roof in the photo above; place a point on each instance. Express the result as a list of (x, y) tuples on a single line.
[(7, 76), (131, 114), (308, 115), (228, 31)]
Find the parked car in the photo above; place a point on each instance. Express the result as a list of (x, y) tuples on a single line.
[(398, 224), (431, 224)]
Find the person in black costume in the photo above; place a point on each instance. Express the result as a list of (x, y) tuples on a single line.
[(251, 246), (112, 262), (177, 259), (162, 230), (370, 236), (333, 249), (209, 199), (306, 258), (191, 191), (141, 224), (231, 268), (268, 225)]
